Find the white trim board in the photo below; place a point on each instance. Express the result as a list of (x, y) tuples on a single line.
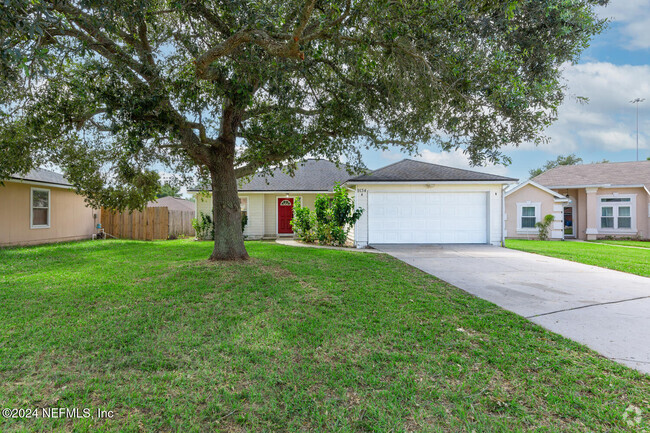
[(558, 197), (432, 182), (43, 184)]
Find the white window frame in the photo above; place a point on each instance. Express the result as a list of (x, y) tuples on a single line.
[(248, 210), (31, 208), (248, 203), (538, 212), (615, 205)]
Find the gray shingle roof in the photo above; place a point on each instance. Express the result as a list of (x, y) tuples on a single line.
[(611, 173), (172, 203), (43, 176), (310, 175), (409, 170)]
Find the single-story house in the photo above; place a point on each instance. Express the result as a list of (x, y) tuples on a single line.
[(268, 201), (405, 202), (42, 206), (589, 201)]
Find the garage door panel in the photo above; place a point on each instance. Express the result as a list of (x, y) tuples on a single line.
[(427, 217)]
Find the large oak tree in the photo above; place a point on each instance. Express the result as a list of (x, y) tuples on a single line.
[(108, 89)]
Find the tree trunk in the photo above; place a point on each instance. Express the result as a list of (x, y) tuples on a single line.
[(226, 212)]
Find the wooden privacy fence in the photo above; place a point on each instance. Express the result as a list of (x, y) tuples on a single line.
[(148, 224), (180, 223)]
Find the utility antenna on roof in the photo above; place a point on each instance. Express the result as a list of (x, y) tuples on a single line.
[(637, 101)]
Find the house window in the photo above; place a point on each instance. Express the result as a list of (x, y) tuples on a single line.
[(243, 205), (616, 213), (40, 208), (527, 216), (624, 219), (607, 217)]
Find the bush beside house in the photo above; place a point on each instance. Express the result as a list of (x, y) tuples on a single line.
[(331, 221)]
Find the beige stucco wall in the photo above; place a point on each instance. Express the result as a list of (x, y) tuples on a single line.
[(530, 194), (590, 208), (262, 210), (70, 218)]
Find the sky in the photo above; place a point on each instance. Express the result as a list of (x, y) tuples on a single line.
[(614, 70)]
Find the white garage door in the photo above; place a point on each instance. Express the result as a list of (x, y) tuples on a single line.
[(427, 218)]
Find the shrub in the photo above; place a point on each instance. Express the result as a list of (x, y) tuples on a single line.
[(244, 222), (204, 227), (543, 226), (303, 222), (331, 221)]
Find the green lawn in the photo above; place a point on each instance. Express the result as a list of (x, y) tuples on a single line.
[(296, 339), (632, 260), (642, 244)]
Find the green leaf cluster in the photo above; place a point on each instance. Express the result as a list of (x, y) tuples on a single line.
[(571, 159), (543, 226), (330, 222)]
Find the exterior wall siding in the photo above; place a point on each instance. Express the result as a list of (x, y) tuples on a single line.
[(70, 217)]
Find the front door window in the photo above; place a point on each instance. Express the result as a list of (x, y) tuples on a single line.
[(569, 229)]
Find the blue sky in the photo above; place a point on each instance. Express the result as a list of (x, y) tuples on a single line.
[(612, 71)]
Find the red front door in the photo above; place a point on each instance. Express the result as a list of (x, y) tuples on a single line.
[(285, 213)]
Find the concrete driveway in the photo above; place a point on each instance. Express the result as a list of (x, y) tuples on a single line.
[(609, 311)]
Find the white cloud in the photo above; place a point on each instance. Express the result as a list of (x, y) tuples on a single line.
[(633, 16), (608, 121)]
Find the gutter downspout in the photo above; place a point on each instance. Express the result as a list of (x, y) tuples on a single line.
[(503, 212)]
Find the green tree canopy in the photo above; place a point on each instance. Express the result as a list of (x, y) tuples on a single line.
[(223, 89), (560, 160), (167, 190)]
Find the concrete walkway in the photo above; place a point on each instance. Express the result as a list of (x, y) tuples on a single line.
[(608, 311)]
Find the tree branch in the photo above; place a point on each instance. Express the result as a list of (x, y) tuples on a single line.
[(275, 45), (334, 23), (302, 22), (213, 19)]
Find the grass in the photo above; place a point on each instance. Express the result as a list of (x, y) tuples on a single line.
[(631, 260), (642, 244), (296, 339)]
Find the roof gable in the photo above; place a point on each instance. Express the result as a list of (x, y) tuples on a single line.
[(409, 170), (611, 173), (556, 195)]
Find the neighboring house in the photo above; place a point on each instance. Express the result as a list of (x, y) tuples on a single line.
[(41, 206), (602, 200), (173, 203), (527, 204), (405, 202)]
